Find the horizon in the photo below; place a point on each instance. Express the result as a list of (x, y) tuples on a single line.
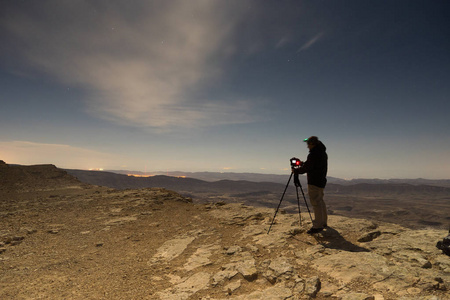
[(160, 172), (256, 173), (227, 86)]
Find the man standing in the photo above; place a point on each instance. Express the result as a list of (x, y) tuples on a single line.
[(316, 167)]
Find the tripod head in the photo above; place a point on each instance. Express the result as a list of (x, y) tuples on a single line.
[(295, 165)]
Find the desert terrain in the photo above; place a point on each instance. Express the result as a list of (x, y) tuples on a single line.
[(64, 239), (411, 205)]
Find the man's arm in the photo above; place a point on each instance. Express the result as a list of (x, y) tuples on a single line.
[(307, 166)]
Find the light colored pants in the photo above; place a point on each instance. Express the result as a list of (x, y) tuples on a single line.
[(320, 210)]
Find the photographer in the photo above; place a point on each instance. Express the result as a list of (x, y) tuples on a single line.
[(316, 167)]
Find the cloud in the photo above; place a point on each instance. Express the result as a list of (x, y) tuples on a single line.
[(282, 42), (143, 64), (311, 42), (64, 156)]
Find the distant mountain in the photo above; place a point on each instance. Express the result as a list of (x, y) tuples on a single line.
[(417, 181), (215, 176), (179, 184), (257, 177), (194, 185), (383, 189), (15, 178)]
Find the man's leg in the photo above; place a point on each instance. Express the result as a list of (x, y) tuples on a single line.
[(320, 211)]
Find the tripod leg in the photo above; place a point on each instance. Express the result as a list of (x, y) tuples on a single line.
[(273, 220), (298, 202), (304, 198)]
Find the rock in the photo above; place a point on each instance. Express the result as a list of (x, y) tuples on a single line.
[(200, 258), (15, 243), (328, 289), (347, 266), (312, 286), (295, 231), (273, 293), (233, 249), (443, 263), (311, 252), (357, 296), (29, 230), (226, 274), (120, 221), (412, 240), (368, 237), (276, 268), (281, 266), (186, 287), (412, 257), (252, 248), (2, 250), (171, 249), (15, 240), (298, 286), (444, 245), (231, 287), (247, 269), (12, 240)]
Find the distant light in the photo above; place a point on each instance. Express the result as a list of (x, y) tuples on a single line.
[(139, 175)]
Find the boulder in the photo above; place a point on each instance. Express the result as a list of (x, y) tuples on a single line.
[(444, 245)]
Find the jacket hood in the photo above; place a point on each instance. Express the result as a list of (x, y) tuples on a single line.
[(319, 147)]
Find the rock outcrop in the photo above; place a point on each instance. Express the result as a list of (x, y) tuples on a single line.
[(15, 178)]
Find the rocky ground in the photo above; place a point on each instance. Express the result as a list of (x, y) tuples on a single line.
[(73, 241)]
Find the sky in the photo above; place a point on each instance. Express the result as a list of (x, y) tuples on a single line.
[(227, 86)]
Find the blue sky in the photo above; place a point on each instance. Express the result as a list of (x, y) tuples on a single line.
[(231, 86)]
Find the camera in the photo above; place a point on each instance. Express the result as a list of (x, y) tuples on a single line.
[(296, 163)]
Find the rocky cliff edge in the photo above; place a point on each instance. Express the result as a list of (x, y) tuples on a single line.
[(99, 243)]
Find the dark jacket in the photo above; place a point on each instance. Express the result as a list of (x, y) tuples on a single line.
[(316, 166)]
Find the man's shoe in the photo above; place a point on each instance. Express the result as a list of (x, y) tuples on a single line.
[(314, 230)]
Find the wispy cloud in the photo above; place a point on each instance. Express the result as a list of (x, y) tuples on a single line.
[(142, 64), (311, 42), (64, 156), (282, 42)]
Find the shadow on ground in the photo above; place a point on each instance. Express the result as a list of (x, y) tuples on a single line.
[(331, 238)]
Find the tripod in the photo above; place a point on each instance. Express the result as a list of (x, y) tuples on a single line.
[(297, 185)]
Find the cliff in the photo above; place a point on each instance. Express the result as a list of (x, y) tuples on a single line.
[(100, 243)]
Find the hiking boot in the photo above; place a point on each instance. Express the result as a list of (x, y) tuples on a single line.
[(314, 230)]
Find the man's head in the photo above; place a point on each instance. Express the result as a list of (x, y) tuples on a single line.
[(311, 141)]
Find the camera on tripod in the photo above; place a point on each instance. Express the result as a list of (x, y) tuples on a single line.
[(296, 163)]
